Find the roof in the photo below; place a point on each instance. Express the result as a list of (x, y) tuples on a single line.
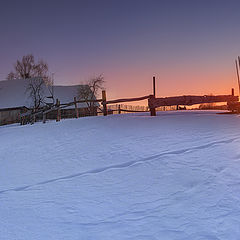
[(13, 94), (15, 108)]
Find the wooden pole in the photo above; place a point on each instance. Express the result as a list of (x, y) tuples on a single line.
[(153, 110), (154, 87), (104, 99), (237, 68), (58, 111), (76, 108), (119, 109), (232, 91), (44, 117), (238, 63)]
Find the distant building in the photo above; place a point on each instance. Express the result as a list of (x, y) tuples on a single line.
[(14, 100)]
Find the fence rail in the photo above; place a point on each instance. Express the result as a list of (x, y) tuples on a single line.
[(127, 100), (190, 100), (130, 111)]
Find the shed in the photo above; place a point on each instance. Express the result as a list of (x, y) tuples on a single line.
[(14, 99)]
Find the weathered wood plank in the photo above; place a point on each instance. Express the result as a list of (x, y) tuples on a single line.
[(127, 100), (189, 100)]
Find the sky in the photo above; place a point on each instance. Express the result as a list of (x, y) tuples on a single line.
[(189, 45)]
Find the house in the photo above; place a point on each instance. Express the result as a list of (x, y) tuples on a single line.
[(11, 115), (15, 100)]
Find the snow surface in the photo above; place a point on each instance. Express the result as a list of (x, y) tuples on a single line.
[(130, 176)]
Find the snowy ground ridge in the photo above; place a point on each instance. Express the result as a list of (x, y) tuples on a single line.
[(124, 165)]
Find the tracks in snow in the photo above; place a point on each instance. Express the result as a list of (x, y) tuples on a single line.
[(122, 165)]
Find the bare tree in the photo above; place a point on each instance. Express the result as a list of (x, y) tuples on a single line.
[(90, 90), (39, 79), (35, 90), (27, 68)]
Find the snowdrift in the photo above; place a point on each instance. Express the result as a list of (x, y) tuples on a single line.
[(174, 176)]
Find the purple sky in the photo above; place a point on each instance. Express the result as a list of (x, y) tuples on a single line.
[(190, 46)]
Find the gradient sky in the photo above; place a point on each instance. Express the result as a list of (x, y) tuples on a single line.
[(190, 46)]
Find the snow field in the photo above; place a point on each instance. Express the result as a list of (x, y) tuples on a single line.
[(174, 176)]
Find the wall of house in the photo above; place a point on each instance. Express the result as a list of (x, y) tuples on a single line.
[(9, 116)]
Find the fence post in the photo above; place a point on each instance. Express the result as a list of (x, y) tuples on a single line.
[(104, 99), (154, 87), (152, 109), (76, 108), (44, 117), (233, 95), (119, 109), (58, 111)]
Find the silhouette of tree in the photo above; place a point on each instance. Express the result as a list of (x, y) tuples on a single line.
[(27, 68), (35, 90), (90, 90)]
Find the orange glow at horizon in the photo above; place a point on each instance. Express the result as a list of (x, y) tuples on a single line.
[(142, 85)]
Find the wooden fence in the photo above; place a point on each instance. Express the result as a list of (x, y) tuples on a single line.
[(29, 117), (153, 103)]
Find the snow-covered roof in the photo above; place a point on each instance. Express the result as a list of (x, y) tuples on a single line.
[(13, 94)]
